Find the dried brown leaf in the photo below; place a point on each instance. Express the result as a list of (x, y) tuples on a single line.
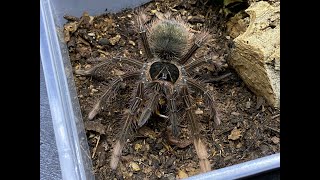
[(115, 39), (235, 134), (147, 132), (134, 166), (182, 174)]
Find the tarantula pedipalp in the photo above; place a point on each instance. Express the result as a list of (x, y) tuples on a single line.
[(164, 74)]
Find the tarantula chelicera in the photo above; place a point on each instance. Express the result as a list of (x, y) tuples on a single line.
[(168, 45)]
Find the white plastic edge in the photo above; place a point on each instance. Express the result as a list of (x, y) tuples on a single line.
[(242, 170), (72, 156)]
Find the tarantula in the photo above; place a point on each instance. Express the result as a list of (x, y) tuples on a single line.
[(168, 44)]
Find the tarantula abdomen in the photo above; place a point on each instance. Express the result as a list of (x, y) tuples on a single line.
[(169, 39)]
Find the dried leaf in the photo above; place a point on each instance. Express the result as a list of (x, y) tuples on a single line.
[(71, 26), (182, 174), (147, 132), (137, 147), (115, 39), (235, 134), (135, 166)]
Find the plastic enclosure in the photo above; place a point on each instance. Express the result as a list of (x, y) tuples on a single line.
[(67, 122)]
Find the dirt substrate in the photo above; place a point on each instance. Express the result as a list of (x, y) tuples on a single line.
[(249, 128)]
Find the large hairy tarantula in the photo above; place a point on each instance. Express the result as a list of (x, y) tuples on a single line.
[(168, 44)]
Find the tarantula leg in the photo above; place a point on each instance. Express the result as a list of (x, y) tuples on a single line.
[(146, 112), (129, 121), (195, 131), (117, 149), (200, 40), (92, 71), (173, 113), (197, 63), (208, 97), (219, 78), (143, 34), (110, 92)]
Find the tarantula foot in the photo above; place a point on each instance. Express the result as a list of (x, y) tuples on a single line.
[(202, 155), (94, 111), (205, 165), (144, 117), (116, 155), (174, 140)]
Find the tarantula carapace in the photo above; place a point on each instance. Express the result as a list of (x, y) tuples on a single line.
[(168, 44)]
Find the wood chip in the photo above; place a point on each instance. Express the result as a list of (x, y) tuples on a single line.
[(275, 139), (235, 113), (198, 111), (132, 43)]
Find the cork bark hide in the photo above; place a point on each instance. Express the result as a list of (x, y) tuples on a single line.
[(256, 56)]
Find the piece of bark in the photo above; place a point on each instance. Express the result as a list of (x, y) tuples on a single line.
[(256, 54)]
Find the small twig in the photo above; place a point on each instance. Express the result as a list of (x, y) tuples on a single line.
[(273, 129), (183, 126), (255, 116), (163, 116), (83, 41), (218, 78), (95, 148), (275, 116)]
